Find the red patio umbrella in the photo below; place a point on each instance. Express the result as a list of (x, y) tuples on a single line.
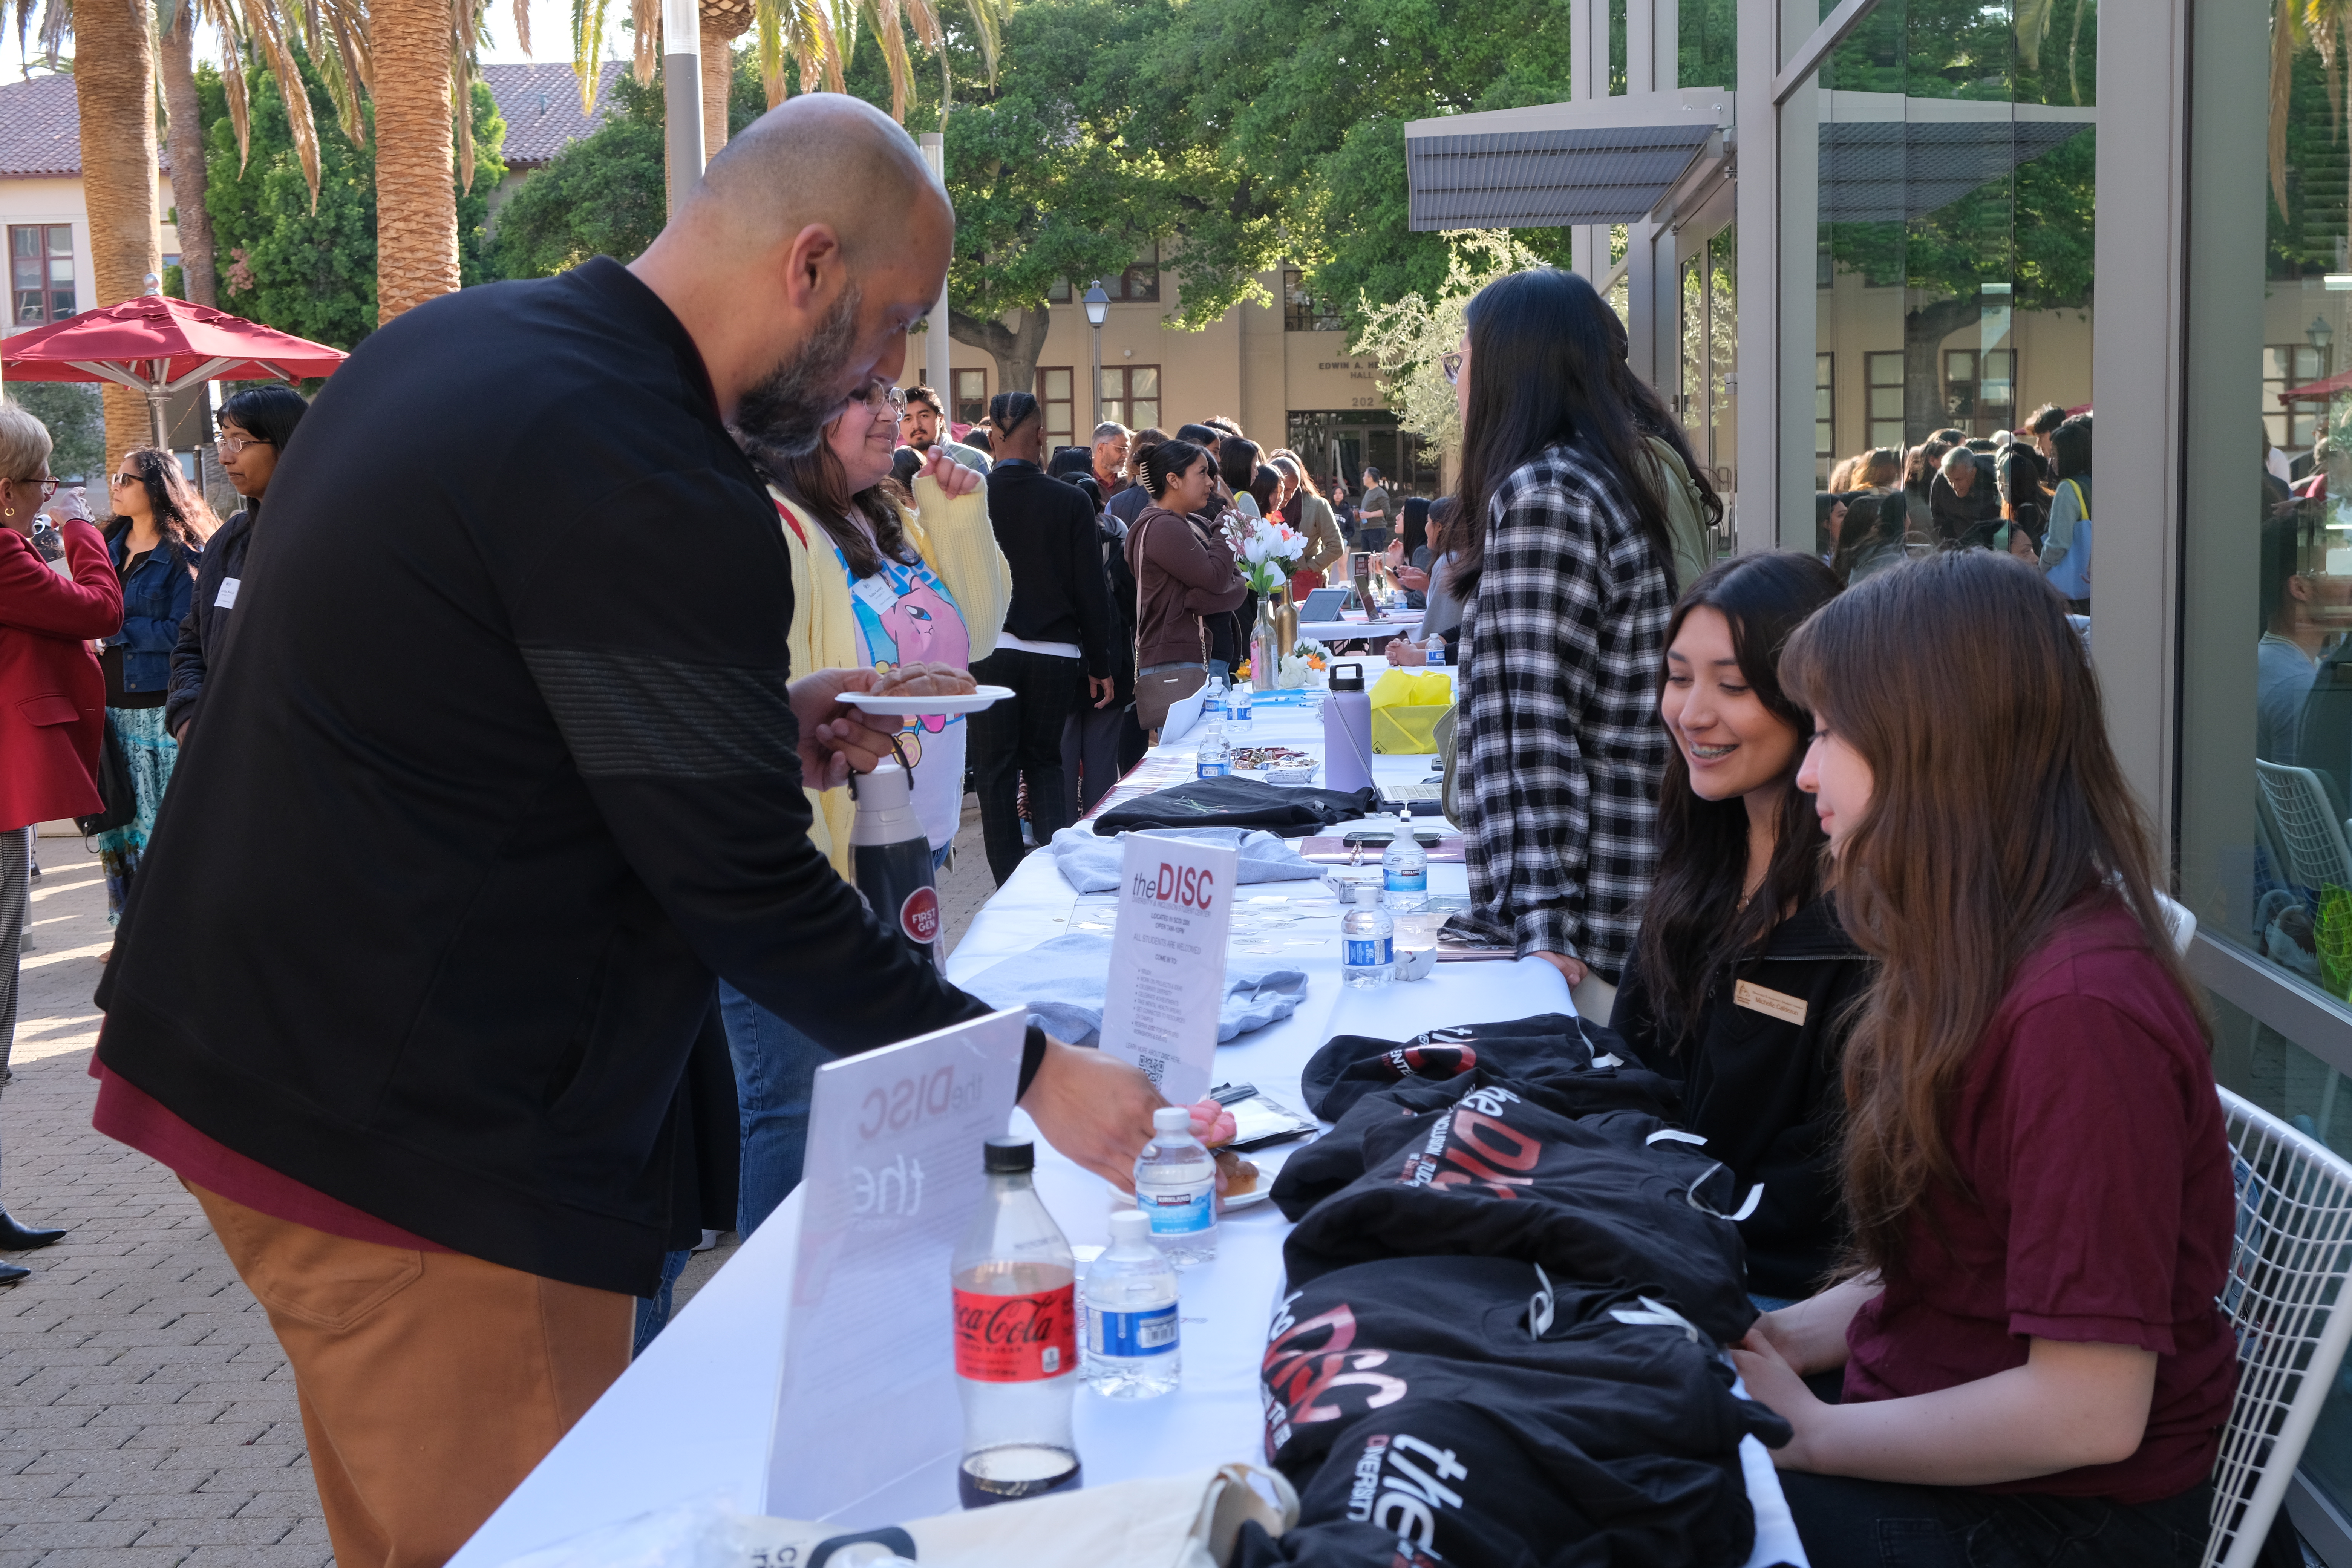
[(159, 347)]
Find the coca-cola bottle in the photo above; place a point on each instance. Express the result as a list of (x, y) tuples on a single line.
[(1016, 1346)]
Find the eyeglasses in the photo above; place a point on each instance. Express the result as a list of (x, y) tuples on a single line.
[(47, 487), (1451, 365), (230, 445), (877, 395), (125, 480)]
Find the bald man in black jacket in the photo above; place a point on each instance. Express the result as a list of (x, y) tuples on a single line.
[(421, 970)]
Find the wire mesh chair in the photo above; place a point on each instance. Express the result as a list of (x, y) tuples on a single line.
[(2287, 1273), (2304, 827)]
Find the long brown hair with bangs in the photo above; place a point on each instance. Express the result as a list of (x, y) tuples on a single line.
[(1996, 804), (817, 480)]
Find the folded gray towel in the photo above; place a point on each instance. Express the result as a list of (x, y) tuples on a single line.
[(1062, 983), (1091, 864)]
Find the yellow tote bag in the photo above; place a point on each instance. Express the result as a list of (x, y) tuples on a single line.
[(1405, 711)]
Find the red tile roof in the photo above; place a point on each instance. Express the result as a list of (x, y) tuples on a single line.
[(40, 128)]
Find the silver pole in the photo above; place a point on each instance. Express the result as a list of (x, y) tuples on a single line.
[(1098, 380), (935, 337), (682, 96)]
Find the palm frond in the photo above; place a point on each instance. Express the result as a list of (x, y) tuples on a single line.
[(645, 16), (2284, 32), (890, 32), (2032, 27), (240, 100), (522, 24), (588, 49), (988, 30), (261, 24), (465, 62)]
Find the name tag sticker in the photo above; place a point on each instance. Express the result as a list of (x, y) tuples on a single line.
[(875, 593), (1772, 1004), (226, 598)]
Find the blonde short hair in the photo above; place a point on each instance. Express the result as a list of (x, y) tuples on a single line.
[(24, 444)]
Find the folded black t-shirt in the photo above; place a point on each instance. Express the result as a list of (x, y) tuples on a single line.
[(1594, 1200), (1337, 1158), (1349, 1067), (1292, 811), (1475, 1411)]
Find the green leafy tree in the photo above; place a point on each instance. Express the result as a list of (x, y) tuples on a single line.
[(76, 421), (2032, 229), (605, 195), (312, 271), (1300, 107)]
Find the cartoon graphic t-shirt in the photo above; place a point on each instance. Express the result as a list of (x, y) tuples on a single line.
[(904, 612)]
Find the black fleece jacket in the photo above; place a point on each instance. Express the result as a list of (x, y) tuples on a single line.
[(1046, 530), (431, 921), (222, 563), (1766, 1088)]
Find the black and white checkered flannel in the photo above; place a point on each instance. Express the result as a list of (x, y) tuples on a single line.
[(1561, 744)]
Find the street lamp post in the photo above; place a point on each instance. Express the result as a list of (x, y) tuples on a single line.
[(1098, 307), (2319, 335)]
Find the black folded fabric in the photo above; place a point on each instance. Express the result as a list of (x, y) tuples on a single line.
[(1337, 1158), (1292, 811), (1496, 1175), (1474, 1411), (1349, 1067)]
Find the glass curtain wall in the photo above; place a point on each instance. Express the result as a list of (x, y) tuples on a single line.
[(1953, 268), (2265, 743), (1708, 43)]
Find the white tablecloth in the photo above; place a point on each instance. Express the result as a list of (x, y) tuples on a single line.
[(691, 1418)]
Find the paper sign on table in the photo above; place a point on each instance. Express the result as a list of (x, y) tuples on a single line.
[(892, 1175), (1167, 961)]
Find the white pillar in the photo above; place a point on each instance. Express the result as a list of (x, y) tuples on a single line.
[(682, 96), (935, 336)]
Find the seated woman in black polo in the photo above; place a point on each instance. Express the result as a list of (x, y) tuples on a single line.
[(1740, 982)]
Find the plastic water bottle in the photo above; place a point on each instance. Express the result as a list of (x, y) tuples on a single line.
[(1131, 1326), (1216, 759), (1404, 868), (1367, 943), (1016, 1340), (1176, 1188), (1237, 709), (1434, 655)]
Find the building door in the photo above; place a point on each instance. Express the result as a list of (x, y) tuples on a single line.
[(1706, 395)]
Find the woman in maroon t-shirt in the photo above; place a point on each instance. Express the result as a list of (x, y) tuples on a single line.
[(2035, 1165)]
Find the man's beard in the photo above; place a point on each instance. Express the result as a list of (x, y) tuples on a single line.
[(785, 415)]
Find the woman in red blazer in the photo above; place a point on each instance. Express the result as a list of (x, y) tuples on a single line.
[(52, 702)]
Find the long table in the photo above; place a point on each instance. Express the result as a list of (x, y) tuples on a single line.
[(691, 1419)]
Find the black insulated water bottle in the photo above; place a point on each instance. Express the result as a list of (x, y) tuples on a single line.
[(890, 859)]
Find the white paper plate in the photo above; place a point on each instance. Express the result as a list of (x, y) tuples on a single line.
[(900, 703)]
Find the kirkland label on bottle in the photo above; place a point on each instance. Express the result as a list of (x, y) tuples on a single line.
[(1367, 952), (1176, 1214), (1132, 1333), (1016, 1339), (1398, 882)]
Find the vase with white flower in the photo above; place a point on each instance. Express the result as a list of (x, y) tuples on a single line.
[(1268, 551)]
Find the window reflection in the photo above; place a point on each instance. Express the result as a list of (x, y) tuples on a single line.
[(1954, 200)]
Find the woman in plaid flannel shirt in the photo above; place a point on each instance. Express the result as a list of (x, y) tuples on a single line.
[(1569, 579)]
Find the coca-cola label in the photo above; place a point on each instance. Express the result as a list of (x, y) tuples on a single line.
[(1016, 1339), (918, 917)]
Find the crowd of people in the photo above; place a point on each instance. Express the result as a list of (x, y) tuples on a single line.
[(465, 1040), (2025, 491)]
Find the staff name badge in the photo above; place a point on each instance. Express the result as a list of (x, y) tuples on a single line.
[(1167, 961), (226, 598), (1771, 1003), (866, 1417)]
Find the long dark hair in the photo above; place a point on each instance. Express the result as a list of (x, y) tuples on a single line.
[(817, 480), (1263, 486), (1937, 881), (1872, 518), (1694, 928), (1653, 417), (1541, 374), (181, 514), (1165, 462), (1237, 463), (266, 413), (2070, 449)]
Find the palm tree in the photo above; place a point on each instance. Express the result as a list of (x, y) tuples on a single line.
[(114, 92), (817, 36), (176, 61)]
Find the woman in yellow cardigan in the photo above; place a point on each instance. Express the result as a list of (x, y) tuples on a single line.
[(876, 583)]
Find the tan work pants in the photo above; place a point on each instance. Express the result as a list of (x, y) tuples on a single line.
[(430, 1383)]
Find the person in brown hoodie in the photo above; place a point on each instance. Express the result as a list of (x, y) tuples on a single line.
[(1181, 572)]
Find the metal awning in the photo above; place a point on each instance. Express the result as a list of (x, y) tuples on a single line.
[(1892, 171), (1542, 178)]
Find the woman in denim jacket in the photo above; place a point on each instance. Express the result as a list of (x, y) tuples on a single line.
[(155, 538)]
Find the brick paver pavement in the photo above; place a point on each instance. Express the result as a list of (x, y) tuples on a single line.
[(146, 1414)]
